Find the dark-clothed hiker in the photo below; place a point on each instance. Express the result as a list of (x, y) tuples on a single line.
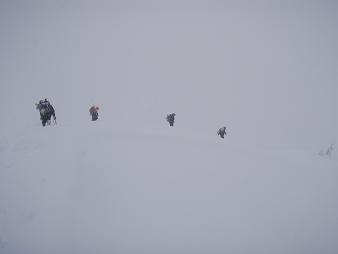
[(221, 132), (171, 119), (46, 112)]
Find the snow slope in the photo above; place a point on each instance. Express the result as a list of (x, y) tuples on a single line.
[(129, 183), (97, 188)]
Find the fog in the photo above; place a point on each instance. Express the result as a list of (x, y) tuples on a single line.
[(265, 69)]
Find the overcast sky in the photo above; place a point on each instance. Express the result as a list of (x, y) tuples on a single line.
[(265, 69)]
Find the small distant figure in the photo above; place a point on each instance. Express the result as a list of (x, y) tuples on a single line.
[(221, 132), (327, 152), (46, 112), (171, 119), (94, 112)]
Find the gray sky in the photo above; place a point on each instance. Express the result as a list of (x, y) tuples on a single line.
[(266, 69)]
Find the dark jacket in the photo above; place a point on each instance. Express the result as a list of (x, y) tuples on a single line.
[(221, 132), (171, 119)]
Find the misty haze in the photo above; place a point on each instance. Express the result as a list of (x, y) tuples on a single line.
[(137, 160)]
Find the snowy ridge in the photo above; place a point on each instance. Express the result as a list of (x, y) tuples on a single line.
[(97, 188)]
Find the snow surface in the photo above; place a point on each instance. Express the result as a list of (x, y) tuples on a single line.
[(100, 189), (128, 183)]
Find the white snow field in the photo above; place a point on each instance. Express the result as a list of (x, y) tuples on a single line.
[(98, 189), (130, 184)]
